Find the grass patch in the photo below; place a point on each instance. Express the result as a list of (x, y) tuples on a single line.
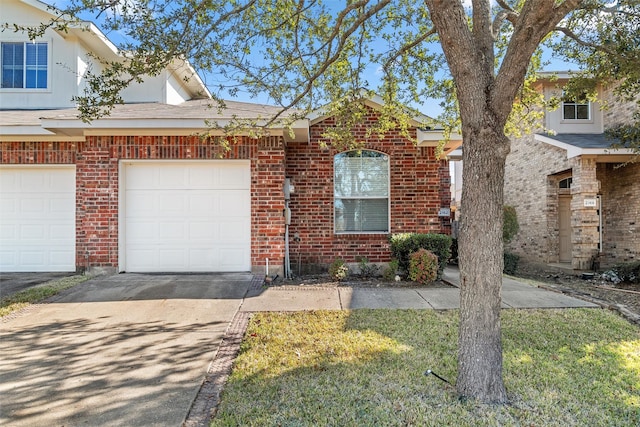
[(38, 293), (366, 367)]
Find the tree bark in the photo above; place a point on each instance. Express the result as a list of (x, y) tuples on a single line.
[(480, 252)]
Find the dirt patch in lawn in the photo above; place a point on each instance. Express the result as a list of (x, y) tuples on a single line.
[(624, 297)]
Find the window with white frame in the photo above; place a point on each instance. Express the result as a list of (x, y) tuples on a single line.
[(574, 110), (24, 65), (361, 192)]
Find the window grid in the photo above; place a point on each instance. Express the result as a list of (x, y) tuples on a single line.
[(572, 110), (361, 192), (24, 65)]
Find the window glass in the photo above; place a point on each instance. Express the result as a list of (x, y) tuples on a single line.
[(12, 65), (24, 65), (565, 183), (361, 191), (36, 65), (575, 111)]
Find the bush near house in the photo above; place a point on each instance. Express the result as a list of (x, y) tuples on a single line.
[(338, 270), (423, 267), (510, 228), (510, 225), (510, 263), (402, 245)]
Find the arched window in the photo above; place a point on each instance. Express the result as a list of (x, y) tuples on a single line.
[(361, 192), (565, 183)]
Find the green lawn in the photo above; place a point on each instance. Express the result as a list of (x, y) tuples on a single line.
[(38, 293), (574, 367)]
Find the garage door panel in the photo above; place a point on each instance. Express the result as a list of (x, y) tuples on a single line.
[(37, 217), (139, 202), (171, 258), (8, 207), (187, 216), (60, 258), (203, 231), (232, 230), (230, 256), (60, 232), (8, 232), (171, 231), (59, 204), (32, 258), (141, 231), (172, 203), (33, 232), (203, 204), (235, 178)]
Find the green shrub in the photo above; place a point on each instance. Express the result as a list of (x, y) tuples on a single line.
[(404, 244), (423, 266), (453, 259), (510, 263), (390, 272), (510, 226), (338, 270), (366, 268)]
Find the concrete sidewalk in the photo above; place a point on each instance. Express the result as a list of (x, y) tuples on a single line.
[(133, 349), (515, 294)]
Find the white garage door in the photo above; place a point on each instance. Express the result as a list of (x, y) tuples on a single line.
[(37, 219), (187, 216)]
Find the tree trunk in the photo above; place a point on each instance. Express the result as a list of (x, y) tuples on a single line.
[(481, 261)]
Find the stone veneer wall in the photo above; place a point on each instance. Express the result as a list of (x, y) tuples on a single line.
[(617, 111), (621, 212), (532, 173), (419, 186)]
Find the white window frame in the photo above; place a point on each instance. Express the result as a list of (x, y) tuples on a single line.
[(575, 106), (388, 198), (24, 71)]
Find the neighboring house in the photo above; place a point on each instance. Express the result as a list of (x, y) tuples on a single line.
[(141, 190), (577, 199)]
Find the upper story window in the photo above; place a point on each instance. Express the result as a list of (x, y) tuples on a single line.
[(573, 110), (361, 192), (24, 65)]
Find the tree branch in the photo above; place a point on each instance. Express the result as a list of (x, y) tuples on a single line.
[(407, 47), (567, 32)]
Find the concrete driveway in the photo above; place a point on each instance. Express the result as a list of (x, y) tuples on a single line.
[(125, 350)]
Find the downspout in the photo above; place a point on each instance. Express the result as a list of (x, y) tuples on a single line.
[(287, 189)]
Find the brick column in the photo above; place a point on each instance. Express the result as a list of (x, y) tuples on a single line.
[(584, 219), (267, 199), (96, 205)]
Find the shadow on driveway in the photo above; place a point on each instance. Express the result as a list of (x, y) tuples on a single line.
[(122, 350)]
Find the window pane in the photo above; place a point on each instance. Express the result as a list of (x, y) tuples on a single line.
[(569, 111), (361, 174), (36, 64), (362, 215), (12, 65), (583, 111)]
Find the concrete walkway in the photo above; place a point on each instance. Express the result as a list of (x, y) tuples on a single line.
[(515, 294), (133, 349)]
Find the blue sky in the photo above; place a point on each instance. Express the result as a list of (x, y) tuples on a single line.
[(429, 107)]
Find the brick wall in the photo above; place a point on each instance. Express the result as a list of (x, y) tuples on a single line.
[(419, 187), (532, 174), (617, 111), (621, 212), (530, 187), (97, 160)]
